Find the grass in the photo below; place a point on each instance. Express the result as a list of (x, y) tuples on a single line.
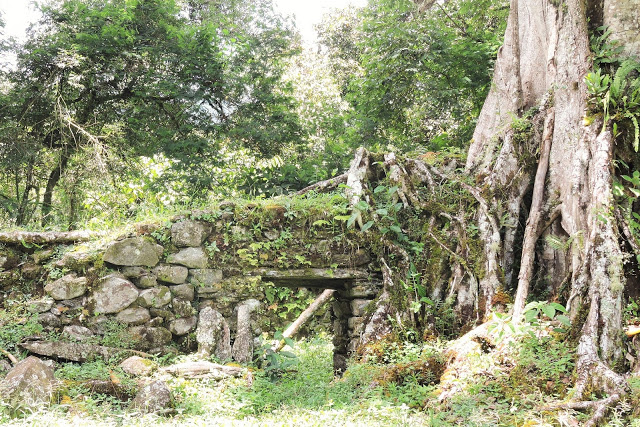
[(309, 396), (501, 389)]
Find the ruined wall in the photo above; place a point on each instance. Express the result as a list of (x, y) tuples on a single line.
[(215, 280)]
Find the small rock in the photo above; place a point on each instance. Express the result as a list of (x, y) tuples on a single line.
[(341, 308), (8, 260), (76, 261), (358, 307), (155, 322), (148, 337), (183, 325), (133, 272), (5, 366), (42, 256), (154, 397), (31, 271), (184, 291), (189, 233), (77, 332), (271, 234), (134, 316), (182, 308), (49, 319), (171, 273), (28, 386), (155, 297), (67, 287), (190, 257), (162, 313), (134, 251), (355, 324), (366, 290), (205, 277), (40, 305), (147, 281), (138, 366), (113, 294)]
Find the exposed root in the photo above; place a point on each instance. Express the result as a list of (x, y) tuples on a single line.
[(599, 407), (326, 185), (10, 356), (532, 231)]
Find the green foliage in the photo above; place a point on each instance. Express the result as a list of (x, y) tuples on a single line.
[(631, 312), (535, 309), (543, 362), (115, 334), (614, 88), (101, 84), (414, 77), (275, 363), (15, 326)]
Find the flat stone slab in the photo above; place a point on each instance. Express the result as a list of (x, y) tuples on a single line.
[(312, 277), (203, 369), (76, 352)]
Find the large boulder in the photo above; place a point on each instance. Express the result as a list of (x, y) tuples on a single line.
[(28, 385), (155, 297), (242, 351), (134, 251), (190, 257), (213, 335), (67, 287), (175, 274), (113, 294), (152, 398), (189, 233)]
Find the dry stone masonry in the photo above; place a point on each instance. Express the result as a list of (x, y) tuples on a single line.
[(195, 283)]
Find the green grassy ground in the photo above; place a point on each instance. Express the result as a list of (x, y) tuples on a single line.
[(498, 392)]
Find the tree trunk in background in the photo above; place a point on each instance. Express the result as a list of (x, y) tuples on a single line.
[(52, 182), (541, 69)]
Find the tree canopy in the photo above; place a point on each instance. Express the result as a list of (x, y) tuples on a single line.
[(124, 78)]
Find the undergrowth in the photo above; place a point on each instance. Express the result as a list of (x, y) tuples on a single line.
[(399, 387)]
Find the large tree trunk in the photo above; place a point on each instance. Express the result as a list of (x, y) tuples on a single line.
[(543, 64)]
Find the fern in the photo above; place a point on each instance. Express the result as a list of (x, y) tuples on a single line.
[(620, 80), (557, 243)]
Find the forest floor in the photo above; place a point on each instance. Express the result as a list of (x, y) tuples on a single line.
[(498, 393)]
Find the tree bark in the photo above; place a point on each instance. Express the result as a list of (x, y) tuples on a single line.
[(47, 237), (546, 55), (52, 182)]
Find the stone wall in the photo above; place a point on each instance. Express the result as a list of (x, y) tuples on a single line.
[(212, 280)]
